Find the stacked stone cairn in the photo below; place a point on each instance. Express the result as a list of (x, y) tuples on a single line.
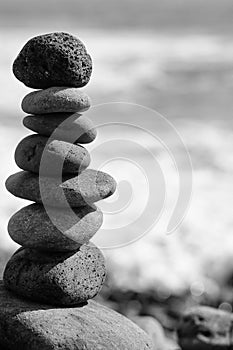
[(48, 282)]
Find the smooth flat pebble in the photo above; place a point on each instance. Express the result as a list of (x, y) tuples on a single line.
[(32, 326), (70, 127), (56, 156), (54, 59), (63, 279), (56, 100), (88, 187), (58, 230)]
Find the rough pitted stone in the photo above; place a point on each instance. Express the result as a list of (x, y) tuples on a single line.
[(206, 328), (55, 59), (75, 128), (56, 100), (88, 187), (32, 227), (57, 279), (32, 326), (28, 154)]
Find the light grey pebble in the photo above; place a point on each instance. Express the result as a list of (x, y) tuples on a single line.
[(56, 99)]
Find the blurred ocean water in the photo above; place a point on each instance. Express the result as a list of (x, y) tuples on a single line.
[(189, 80)]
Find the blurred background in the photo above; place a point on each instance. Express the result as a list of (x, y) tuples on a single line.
[(174, 56)]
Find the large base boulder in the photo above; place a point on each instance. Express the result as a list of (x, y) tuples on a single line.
[(31, 326)]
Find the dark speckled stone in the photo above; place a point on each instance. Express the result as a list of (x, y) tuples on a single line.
[(88, 187), (57, 279), (54, 59), (31, 326), (28, 154), (74, 128)]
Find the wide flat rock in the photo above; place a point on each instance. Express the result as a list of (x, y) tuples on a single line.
[(31, 326), (88, 187)]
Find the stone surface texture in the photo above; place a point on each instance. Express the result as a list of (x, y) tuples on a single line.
[(55, 59), (63, 279), (32, 326)]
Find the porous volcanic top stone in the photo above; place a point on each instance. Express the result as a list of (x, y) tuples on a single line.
[(74, 128), (205, 328), (88, 187), (57, 155), (63, 279), (56, 100), (32, 326), (56, 59), (32, 227)]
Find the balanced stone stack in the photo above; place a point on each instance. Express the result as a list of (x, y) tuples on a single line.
[(48, 282)]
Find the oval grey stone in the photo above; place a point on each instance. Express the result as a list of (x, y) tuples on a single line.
[(29, 325), (56, 100), (58, 279), (54, 59), (31, 227), (70, 127), (88, 187), (56, 153)]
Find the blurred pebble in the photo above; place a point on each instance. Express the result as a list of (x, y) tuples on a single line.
[(205, 327), (154, 329), (225, 307)]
